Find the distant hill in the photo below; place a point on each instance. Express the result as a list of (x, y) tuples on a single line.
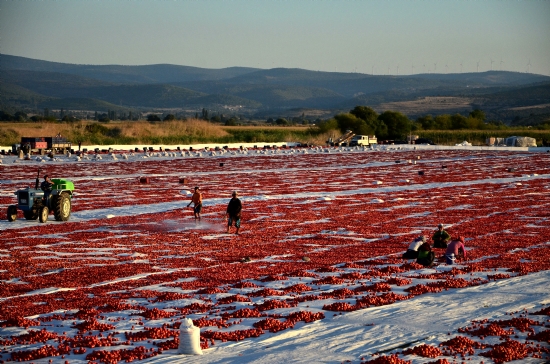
[(73, 103), (19, 97), (30, 83), (159, 73), (519, 97), (52, 84)]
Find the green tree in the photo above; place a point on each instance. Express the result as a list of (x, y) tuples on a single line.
[(443, 122), (365, 113), (327, 125), (153, 117), (348, 121), (4, 116), (398, 124), (495, 124), (281, 121), (427, 122), (459, 122), (20, 116), (169, 117), (478, 114), (381, 130), (474, 123), (231, 122)]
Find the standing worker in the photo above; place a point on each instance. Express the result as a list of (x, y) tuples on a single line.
[(234, 208), (196, 200), (441, 237)]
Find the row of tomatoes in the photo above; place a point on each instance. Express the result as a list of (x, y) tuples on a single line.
[(276, 273)]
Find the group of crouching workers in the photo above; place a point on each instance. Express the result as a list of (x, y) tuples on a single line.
[(422, 251)]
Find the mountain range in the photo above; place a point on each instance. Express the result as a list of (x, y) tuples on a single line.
[(32, 84)]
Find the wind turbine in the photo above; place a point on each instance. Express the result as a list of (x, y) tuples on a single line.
[(528, 65), (373, 70), (424, 68), (435, 67), (388, 71), (492, 64), (461, 66), (477, 66), (501, 62), (446, 68), (398, 70), (413, 69)]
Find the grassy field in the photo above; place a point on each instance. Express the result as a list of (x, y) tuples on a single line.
[(165, 132), (198, 131)]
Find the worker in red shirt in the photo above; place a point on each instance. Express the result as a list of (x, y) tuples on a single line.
[(455, 251)]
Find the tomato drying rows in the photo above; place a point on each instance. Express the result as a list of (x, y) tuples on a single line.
[(322, 234)]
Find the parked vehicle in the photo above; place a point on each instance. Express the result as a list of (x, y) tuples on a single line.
[(42, 144), (424, 141), (363, 140), (343, 140)]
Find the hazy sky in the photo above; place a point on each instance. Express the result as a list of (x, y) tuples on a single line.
[(371, 36)]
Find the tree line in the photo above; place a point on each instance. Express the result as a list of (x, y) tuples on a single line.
[(394, 125), (363, 120)]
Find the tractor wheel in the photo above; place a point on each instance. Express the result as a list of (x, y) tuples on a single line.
[(43, 214), (12, 213), (31, 215), (62, 207)]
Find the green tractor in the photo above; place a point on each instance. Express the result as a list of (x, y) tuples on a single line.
[(35, 206)]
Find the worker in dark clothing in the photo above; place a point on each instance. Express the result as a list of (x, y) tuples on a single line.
[(26, 148), (426, 256), (441, 237), (233, 212), (47, 186)]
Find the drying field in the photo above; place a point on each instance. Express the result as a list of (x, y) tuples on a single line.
[(323, 233)]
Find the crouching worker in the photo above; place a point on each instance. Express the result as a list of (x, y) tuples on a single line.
[(425, 255), (440, 237), (412, 251), (455, 251)]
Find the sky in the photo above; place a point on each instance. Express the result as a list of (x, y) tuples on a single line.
[(380, 37)]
